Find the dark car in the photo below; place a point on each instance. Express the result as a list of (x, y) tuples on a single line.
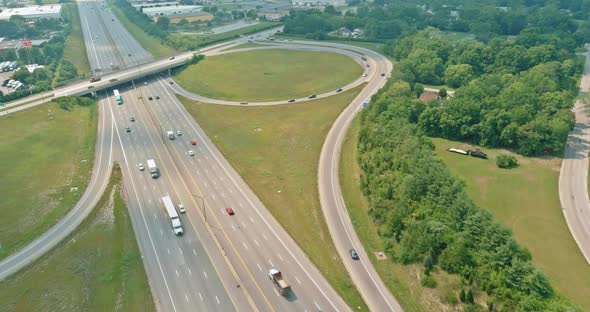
[(243, 103), (157, 97), (383, 75), (150, 98), (339, 90), (291, 100), (353, 254), (313, 96), (128, 129)]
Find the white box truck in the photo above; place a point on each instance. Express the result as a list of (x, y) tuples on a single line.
[(171, 135), (154, 171), (173, 215)]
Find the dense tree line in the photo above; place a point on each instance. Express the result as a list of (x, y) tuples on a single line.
[(509, 94), (425, 211), (17, 27)]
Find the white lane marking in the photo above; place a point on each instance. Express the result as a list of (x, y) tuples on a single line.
[(217, 300), (168, 249), (298, 281), (245, 246), (243, 224), (190, 272), (252, 219), (206, 171), (145, 188), (317, 306), (180, 251), (161, 233), (277, 292), (177, 273), (259, 267), (220, 178), (278, 254), (271, 264), (186, 297), (199, 159), (205, 273), (155, 216), (214, 183), (206, 184), (264, 236), (256, 242), (230, 191), (233, 227), (201, 296), (194, 252), (213, 196), (222, 195), (240, 203)]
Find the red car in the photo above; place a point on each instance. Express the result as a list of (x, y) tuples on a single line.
[(194, 142), (229, 211)]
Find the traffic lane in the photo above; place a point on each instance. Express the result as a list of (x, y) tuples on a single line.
[(280, 247), (98, 182), (165, 228), (228, 250)]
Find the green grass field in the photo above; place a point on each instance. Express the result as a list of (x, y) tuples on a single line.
[(149, 43), (41, 158), (526, 199), (245, 45), (401, 280), (75, 50), (204, 40), (97, 268), (268, 75), (276, 150)]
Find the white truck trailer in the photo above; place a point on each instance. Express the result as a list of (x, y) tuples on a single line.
[(173, 215), (171, 135)]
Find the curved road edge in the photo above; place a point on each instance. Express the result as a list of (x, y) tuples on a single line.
[(573, 176), (101, 172)]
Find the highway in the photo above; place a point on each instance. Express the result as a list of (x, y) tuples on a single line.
[(573, 176)]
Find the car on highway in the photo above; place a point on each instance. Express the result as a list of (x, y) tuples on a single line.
[(131, 118), (353, 254), (171, 58), (129, 54), (171, 82), (383, 75), (194, 142), (191, 153), (368, 65), (128, 129), (243, 103), (339, 90), (150, 98), (113, 80), (157, 97), (141, 167), (364, 75), (313, 96), (181, 208), (291, 100), (229, 211), (178, 133), (145, 83)]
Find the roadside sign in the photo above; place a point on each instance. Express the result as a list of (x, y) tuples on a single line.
[(365, 105)]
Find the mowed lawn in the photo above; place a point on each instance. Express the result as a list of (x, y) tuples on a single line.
[(41, 158), (276, 150), (75, 50), (526, 199), (97, 268), (266, 75)]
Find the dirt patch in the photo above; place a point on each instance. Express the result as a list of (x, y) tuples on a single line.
[(428, 96)]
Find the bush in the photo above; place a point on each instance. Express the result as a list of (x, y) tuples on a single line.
[(506, 161), (428, 281), (449, 297)]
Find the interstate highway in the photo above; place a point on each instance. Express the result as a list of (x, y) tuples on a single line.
[(251, 239)]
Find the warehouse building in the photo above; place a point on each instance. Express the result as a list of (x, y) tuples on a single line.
[(33, 12), (172, 10)]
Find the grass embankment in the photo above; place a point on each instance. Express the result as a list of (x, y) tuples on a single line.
[(402, 281), (75, 49), (266, 75), (246, 45), (204, 40), (98, 268), (276, 150), (149, 43), (41, 158), (526, 199)]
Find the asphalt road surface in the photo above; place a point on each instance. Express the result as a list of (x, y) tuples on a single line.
[(573, 177)]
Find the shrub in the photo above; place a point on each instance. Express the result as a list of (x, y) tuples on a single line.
[(506, 161), (428, 281)]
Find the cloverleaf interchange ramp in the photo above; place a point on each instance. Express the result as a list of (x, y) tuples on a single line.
[(218, 265)]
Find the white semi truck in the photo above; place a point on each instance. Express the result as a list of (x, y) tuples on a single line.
[(154, 171), (173, 215)]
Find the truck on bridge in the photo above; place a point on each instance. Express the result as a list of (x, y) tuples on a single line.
[(277, 277), (118, 97), (173, 215), (154, 171)]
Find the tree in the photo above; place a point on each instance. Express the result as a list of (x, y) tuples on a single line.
[(458, 75), (506, 161), (469, 297), (442, 93), (462, 295), (163, 22)]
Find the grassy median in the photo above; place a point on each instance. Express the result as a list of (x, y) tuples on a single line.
[(97, 268), (46, 163), (526, 199), (276, 150), (266, 75), (75, 49)]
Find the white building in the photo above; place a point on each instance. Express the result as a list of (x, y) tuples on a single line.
[(33, 12), (172, 10), (311, 3), (144, 5)]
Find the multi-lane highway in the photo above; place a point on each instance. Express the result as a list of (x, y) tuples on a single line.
[(573, 177)]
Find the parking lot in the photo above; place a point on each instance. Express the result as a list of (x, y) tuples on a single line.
[(4, 76)]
